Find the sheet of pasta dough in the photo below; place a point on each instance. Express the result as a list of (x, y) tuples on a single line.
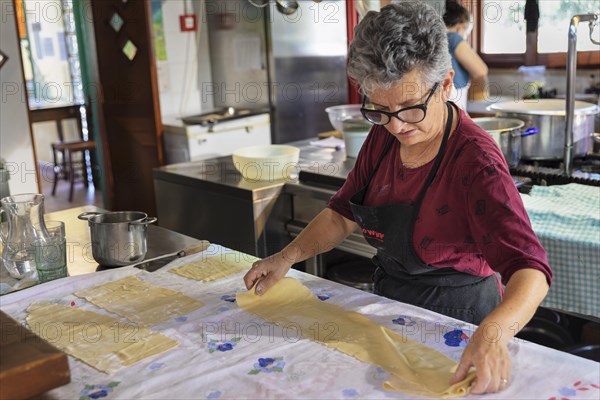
[(216, 267), (103, 342), (140, 301), (415, 369)]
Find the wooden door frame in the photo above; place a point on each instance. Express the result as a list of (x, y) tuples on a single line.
[(119, 128)]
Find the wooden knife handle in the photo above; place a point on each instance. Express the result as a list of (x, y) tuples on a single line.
[(197, 248)]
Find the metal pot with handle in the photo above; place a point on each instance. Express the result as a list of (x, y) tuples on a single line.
[(507, 133), (549, 116), (118, 238)]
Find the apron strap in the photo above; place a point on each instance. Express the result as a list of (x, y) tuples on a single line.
[(432, 173), (386, 149), (437, 162)]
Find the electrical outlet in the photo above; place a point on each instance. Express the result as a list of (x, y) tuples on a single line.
[(187, 22)]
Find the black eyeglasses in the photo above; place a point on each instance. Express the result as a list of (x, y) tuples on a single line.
[(411, 115)]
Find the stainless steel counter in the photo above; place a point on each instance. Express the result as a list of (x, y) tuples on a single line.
[(325, 162), (209, 199), (218, 174)]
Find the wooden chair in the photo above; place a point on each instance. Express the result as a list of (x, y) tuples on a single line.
[(68, 166)]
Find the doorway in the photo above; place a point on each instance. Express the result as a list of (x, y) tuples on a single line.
[(58, 111)]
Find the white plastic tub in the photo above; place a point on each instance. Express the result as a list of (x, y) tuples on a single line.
[(267, 163)]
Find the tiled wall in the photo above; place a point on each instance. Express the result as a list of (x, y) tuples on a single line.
[(513, 83), (187, 62)]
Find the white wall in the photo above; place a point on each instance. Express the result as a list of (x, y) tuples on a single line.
[(15, 135), (45, 133), (187, 62)]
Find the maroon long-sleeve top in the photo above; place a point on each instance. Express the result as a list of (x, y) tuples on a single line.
[(472, 217)]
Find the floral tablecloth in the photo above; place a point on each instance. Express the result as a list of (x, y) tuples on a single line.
[(226, 353)]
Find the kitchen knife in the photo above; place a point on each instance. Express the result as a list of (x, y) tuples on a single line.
[(159, 262)]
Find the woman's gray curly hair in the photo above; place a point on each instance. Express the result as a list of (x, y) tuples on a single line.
[(396, 40)]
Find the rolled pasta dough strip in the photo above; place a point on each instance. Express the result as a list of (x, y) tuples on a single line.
[(416, 369), (103, 342), (216, 267), (140, 301)]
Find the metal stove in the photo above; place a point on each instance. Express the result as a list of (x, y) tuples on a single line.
[(221, 115), (586, 171)]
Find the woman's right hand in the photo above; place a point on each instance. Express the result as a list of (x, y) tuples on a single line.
[(266, 272)]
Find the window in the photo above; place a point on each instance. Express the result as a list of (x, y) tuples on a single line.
[(49, 50), (555, 17), (503, 29), (503, 41)]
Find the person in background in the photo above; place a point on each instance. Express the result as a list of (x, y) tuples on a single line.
[(466, 63), (431, 192)]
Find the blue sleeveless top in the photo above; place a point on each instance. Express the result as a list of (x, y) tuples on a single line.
[(461, 76)]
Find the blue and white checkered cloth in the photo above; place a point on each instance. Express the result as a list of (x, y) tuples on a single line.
[(566, 219)]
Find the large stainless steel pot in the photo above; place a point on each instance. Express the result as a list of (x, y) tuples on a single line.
[(118, 238), (548, 115), (507, 133)]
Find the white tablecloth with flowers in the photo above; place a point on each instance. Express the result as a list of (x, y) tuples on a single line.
[(226, 353)]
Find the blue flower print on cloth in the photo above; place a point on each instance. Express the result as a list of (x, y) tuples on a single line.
[(322, 294), (404, 321), (565, 392), (216, 394), (380, 374), (229, 298), (97, 391), (456, 338), (268, 365), (349, 393), (156, 365), (222, 345)]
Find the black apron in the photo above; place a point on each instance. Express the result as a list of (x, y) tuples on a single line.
[(401, 275)]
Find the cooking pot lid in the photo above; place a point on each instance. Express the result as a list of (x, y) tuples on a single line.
[(555, 107)]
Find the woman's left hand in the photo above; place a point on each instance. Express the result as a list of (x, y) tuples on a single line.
[(490, 357)]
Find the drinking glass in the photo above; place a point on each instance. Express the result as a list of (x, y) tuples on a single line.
[(51, 253)]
